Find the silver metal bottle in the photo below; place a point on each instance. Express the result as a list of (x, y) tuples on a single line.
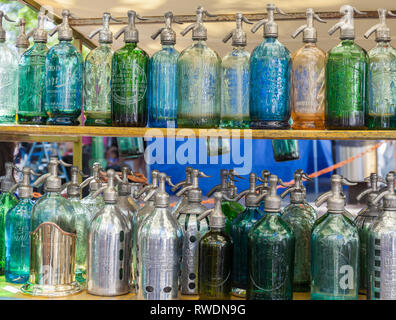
[(193, 231), (159, 250), (109, 246)]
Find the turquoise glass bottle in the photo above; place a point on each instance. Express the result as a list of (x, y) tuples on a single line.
[(215, 256), (198, 80), (129, 79), (162, 102), (335, 248), (31, 89), (8, 77), (97, 78), (17, 228), (381, 77), (64, 77), (270, 67), (7, 201), (346, 69), (270, 255), (240, 228), (235, 80), (301, 217)]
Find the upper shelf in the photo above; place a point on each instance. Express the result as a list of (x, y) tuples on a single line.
[(69, 133)]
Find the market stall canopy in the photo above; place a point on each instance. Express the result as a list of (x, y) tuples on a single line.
[(86, 10)]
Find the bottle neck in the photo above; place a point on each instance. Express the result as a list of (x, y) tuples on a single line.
[(167, 46), (347, 42), (199, 42), (131, 45), (216, 229), (270, 39)]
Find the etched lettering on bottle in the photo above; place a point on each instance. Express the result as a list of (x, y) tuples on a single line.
[(347, 279)]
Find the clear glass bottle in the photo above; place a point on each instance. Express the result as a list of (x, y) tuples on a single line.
[(162, 102), (198, 80), (381, 256), (270, 67), (64, 77), (335, 249), (91, 203), (270, 254), (235, 80), (364, 221), (17, 228), (301, 217), (215, 256), (8, 77), (381, 77), (240, 228), (97, 78), (346, 69), (307, 98), (129, 79), (31, 88)]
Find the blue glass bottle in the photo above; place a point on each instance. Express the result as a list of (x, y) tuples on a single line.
[(63, 74), (240, 228), (270, 71), (235, 80), (162, 100), (17, 228)]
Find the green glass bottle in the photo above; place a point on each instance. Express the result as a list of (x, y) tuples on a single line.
[(301, 217), (7, 201), (285, 150), (270, 256), (346, 70), (31, 88), (215, 256), (129, 79), (335, 248)]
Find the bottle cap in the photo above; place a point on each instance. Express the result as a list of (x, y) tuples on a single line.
[(109, 190), (238, 35), (272, 202), (309, 31), (73, 187), (185, 182), (335, 197), (168, 36), (2, 31), (382, 31), (161, 199), (194, 192), (124, 187), (388, 195), (105, 35), (94, 181), (39, 33), (25, 190), (149, 190), (270, 26), (217, 217), (64, 31), (22, 40), (131, 34), (297, 190), (52, 182), (346, 24), (199, 31), (373, 190)]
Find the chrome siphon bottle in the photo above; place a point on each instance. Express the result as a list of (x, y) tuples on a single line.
[(270, 67), (109, 246), (215, 256), (346, 70), (17, 228), (381, 77), (82, 221), (8, 77), (31, 85), (183, 199), (159, 250), (240, 228), (381, 257), (335, 248), (198, 80), (301, 216), (97, 77), (52, 240), (307, 97), (64, 77), (270, 255), (93, 204), (193, 231), (235, 79), (364, 221), (7, 201), (22, 42), (162, 101), (129, 79)]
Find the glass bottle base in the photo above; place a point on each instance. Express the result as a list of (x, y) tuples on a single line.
[(17, 278), (129, 124), (51, 291), (344, 124), (381, 122), (162, 124), (235, 124), (269, 124), (8, 119), (97, 119), (320, 296), (31, 119), (197, 123), (81, 276), (63, 121), (302, 287), (238, 292), (308, 125)]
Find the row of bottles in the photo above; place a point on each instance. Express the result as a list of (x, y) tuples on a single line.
[(343, 89)]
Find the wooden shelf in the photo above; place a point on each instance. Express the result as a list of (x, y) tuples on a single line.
[(69, 133)]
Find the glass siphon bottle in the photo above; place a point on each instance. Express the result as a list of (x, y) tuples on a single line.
[(90, 203)]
